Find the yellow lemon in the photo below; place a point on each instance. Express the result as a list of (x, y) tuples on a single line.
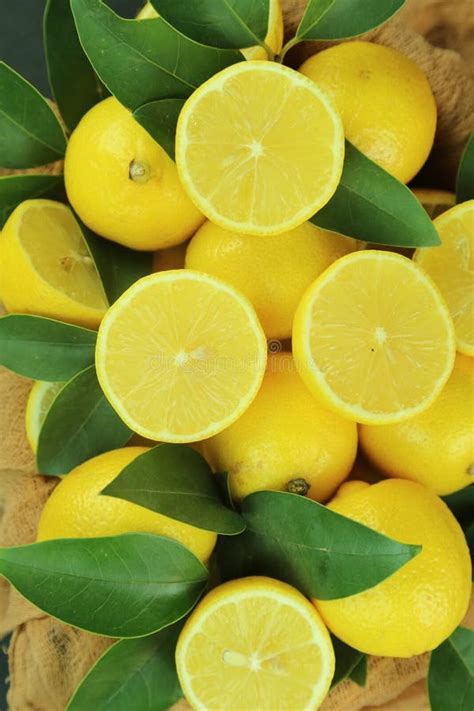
[(123, 185), (76, 509), (172, 258), (273, 271), (255, 643), (259, 148), (385, 102), (286, 440), (435, 448), (180, 356), (435, 202), (373, 338), (46, 266), (451, 266), (39, 401), (418, 607)]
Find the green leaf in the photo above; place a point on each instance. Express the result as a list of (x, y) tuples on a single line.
[(340, 19), (142, 61), (318, 551), (465, 179), (159, 118), (133, 674), (230, 24), (30, 133), (120, 586), (43, 349), (16, 188), (176, 481), (461, 504), (359, 673), (223, 482), (451, 673), (347, 660), (79, 425), (371, 205)]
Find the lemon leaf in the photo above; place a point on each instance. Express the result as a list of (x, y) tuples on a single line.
[(141, 61), (451, 673), (359, 672), (120, 586), (79, 425), (16, 188), (159, 118), (347, 660), (320, 552), (223, 482), (373, 206), (30, 133), (44, 349), (175, 480), (340, 19), (465, 177)]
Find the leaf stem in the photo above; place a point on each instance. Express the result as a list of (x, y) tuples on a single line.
[(269, 51), (291, 43)]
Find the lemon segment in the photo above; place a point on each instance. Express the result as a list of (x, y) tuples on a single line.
[(180, 356), (254, 643), (373, 338), (259, 148), (39, 401)]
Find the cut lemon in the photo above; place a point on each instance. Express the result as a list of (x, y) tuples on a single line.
[(451, 266), (47, 268), (373, 338), (39, 401), (259, 148), (255, 643), (435, 202), (180, 356)]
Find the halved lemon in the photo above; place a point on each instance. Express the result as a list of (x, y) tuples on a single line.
[(47, 268), (180, 356), (39, 401), (451, 266), (435, 202), (255, 644), (259, 148), (373, 338)]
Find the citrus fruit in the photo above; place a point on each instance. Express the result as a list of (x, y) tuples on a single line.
[(420, 605), (272, 271), (259, 148), (123, 185), (39, 401), (76, 508), (171, 258), (435, 202), (385, 102), (47, 268), (451, 266), (254, 643), (435, 448), (285, 440), (373, 338), (188, 344)]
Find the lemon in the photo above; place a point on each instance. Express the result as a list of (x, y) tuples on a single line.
[(373, 338), (180, 356), (123, 185), (451, 266), (435, 448), (254, 643), (385, 102), (285, 440), (259, 148), (47, 268), (435, 202), (39, 401), (418, 607), (76, 509), (171, 258), (273, 271)]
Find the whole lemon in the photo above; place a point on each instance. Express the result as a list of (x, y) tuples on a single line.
[(123, 185), (272, 271), (385, 102), (76, 509), (420, 605), (285, 440), (435, 448)]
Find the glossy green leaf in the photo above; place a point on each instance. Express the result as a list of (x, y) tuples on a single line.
[(79, 425), (223, 482), (371, 205), (175, 480), (142, 61), (451, 673), (16, 188), (340, 19), (160, 119), (347, 660), (120, 586), (44, 349), (230, 24), (465, 178), (30, 133), (318, 551), (359, 673), (133, 674)]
